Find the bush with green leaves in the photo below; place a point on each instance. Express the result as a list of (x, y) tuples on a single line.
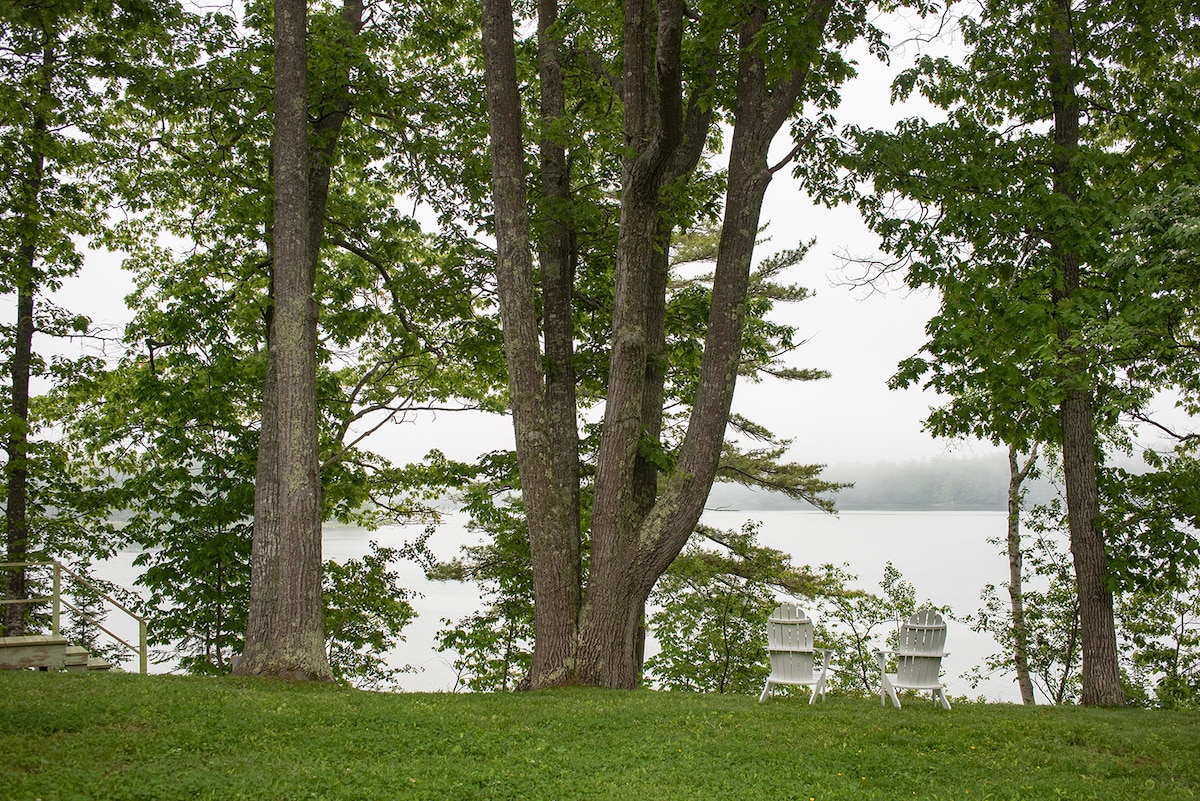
[(492, 650), (492, 647), (854, 624), (1160, 631), (366, 610), (1153, 516), (1052, 621), (710, 617), (712, 608)]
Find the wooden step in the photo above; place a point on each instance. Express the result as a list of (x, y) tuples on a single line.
[(33, 651), (79, 659), (76, 658)]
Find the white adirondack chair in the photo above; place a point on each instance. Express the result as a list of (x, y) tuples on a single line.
[(793, 657), (918, 659)]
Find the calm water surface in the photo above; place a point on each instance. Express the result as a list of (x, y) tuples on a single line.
[(945, 555)]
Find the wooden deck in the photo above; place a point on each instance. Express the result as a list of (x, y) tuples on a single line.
[(33, 651)]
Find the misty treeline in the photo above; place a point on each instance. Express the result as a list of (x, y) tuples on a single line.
[(341, 216), (949, 483)]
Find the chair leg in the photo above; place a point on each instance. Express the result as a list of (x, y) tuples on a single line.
[(885, 686), (766, 691), (940, 695), (819, 687)]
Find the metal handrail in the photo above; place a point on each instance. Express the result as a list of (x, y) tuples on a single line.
[(58, 601)]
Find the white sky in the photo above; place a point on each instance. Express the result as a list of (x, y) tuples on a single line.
[(857, 335)]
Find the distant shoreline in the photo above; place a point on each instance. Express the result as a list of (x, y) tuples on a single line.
[(972, 484)]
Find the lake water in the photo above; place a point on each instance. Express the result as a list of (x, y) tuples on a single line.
[(945, 555)]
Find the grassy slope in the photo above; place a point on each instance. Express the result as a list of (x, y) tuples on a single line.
[(68, 736)]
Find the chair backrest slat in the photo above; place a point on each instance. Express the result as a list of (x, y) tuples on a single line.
[(920, 646), (794, 659), (790, 645), (922, 639), (923, 634)]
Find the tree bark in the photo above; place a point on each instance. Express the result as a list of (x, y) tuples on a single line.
[(697, 122), (653, 129), (1101, 669), (17, 467), (1016, 596), (285, 630), (651, 132), (16, 516), (550, 496), (559, 545)]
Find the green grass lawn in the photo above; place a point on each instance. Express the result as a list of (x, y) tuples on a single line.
[(68, 736)]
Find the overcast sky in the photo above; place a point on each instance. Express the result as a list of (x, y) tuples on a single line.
[(857, 335)]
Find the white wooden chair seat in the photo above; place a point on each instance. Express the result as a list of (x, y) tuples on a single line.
[(918, 658), (793, 657)]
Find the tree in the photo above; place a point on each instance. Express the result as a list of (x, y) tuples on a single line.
[(285, 634), (64, 67), (175, 416), (758, 63), (1023, 225), (1018, 474), (26, 206)]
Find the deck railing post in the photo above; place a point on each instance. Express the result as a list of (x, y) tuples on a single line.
[(142, 666), (55, 613)]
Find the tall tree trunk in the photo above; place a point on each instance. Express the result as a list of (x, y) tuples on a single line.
[(285, 630), (1101, 670), (634, 535), (551, 503), (683, 164), (16, 517), (16, 469), (1016, 594), (653, 129), (558, 555)]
